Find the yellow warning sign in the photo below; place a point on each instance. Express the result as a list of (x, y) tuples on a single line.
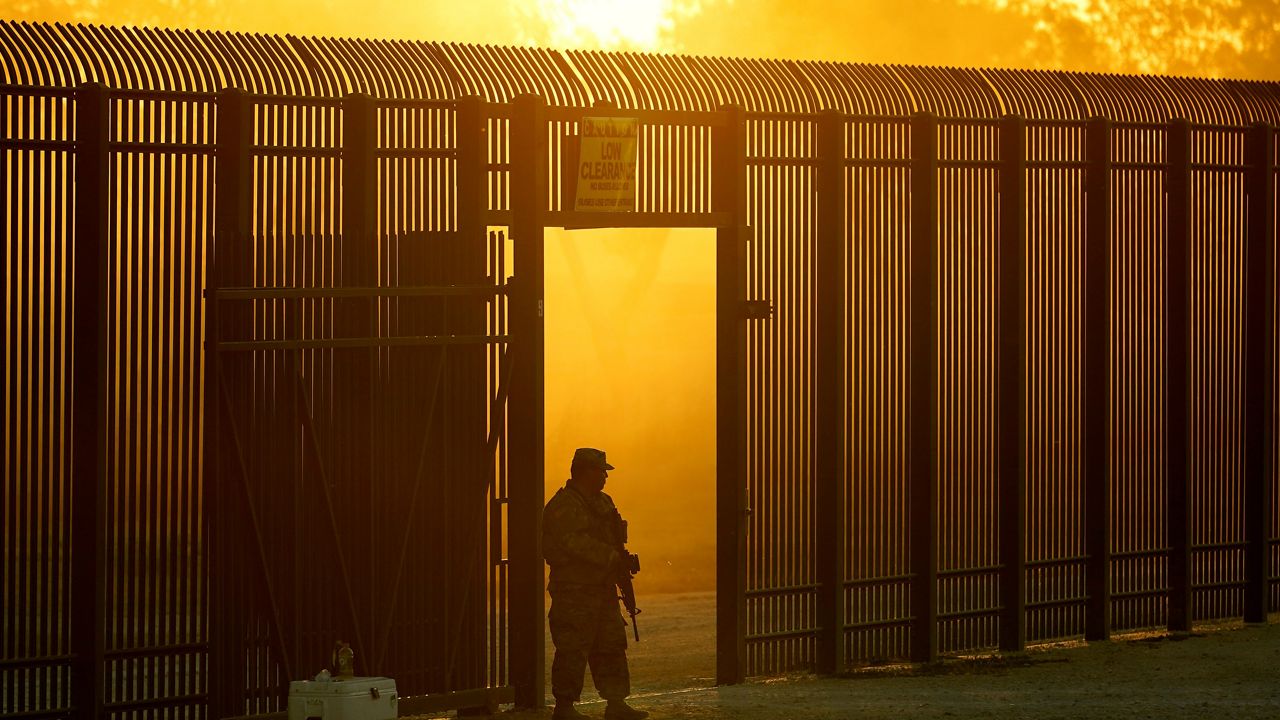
[(607, 165)]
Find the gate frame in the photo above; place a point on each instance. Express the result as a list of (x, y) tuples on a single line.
[(528, 220)]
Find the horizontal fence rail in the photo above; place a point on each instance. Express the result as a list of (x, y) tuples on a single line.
[(1016, 381)]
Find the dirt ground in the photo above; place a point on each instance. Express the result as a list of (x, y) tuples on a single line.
[(1227, 669)]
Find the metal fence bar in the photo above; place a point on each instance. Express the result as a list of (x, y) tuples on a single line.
[(729, 188), (89, 433), (922, 403), (355, 372), (232, 217), (478, 371), (1097, 378), (1259, 382), (1177, 349), (1011, 413), (527, 399)]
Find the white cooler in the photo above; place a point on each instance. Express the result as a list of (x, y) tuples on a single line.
[(361, 698)]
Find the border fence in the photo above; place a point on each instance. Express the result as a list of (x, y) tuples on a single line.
[(996, 358)]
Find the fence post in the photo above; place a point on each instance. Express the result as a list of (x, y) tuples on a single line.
[(1097, 379), (1259, 370), (829, 262), (922, 387), (1012, 381), (1176, 350), (729, 188), (466, 395), (527, 399), (89, 441), (227, 254), (354, 371)]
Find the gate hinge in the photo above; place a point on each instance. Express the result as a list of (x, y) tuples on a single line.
[(757, 309)]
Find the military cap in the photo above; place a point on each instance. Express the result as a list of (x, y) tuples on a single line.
[(590, 457)]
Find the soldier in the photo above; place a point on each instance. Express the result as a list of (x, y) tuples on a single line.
[(581, 545)]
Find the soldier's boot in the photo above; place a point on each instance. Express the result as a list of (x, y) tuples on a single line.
[(620, 710), (566, 711)]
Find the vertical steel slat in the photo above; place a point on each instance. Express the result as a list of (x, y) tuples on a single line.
[(130, 201), (1177, 349), (800, 525), (527, 398), (202, 275), (922, 386), (758, 429), (501, 314), (829, 280), (286, 369), (13, 681), (729, 194), (43, 322), (163, 406), (788, 321), (11, 646), (279, 406), (247, 422), (1259, 369), (123, 404), (1097, 420), (1011, 380), (35, 236), (167, 406), (89, 375), (1274, 549)]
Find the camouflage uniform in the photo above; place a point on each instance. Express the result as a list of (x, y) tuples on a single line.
[(586, 624)]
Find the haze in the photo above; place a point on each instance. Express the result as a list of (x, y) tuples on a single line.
[(630, 315)]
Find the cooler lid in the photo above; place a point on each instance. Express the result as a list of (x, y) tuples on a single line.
[(352, 686)]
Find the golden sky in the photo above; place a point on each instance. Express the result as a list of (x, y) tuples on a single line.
[(630, 317), (1217, 38)]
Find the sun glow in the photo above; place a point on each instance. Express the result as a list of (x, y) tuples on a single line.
[(607, 24), (1205, 38)]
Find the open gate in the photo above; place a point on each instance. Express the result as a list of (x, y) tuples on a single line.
[(356, 403)]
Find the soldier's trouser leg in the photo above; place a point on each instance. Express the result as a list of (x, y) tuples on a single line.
[(588, 629), (608, 656), (571, 632)]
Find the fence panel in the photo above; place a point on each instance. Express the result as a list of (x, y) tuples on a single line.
[(877, 230), (1218, 221), (1139, 531), (968, 482), (37, 208), (1055, 537), (781, 582), (160, 204)]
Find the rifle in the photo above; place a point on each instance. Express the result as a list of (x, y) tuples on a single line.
[(631, 566)]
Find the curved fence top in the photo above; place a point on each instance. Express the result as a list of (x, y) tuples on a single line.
[(61, 55)]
